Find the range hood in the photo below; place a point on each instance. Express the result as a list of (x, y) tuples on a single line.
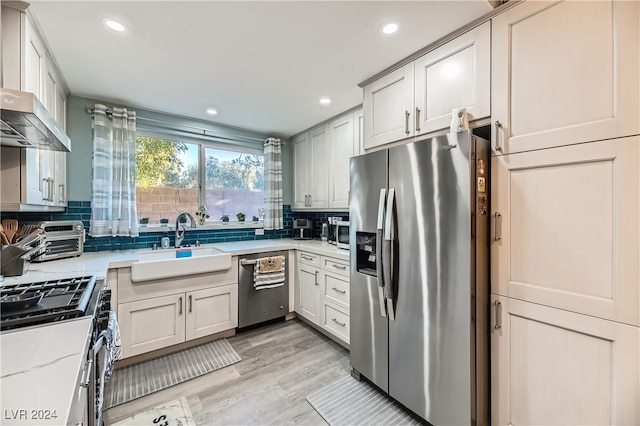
[(26, 123)]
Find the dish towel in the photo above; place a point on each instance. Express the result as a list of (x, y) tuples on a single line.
[(269, 272)]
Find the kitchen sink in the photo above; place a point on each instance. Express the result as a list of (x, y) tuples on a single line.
[(165, 263)]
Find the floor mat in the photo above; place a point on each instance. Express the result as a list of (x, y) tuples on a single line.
[(350, 402), (174, 413), (160, 373)]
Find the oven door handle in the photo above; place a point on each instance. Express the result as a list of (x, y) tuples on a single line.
[(86, 379)]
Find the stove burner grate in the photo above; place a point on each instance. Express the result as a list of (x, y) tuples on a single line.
[(62, 299)]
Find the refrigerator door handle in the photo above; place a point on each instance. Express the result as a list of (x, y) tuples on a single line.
[(380, 258), (387, 250)]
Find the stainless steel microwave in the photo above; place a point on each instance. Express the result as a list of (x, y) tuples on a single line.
[(342, 234)]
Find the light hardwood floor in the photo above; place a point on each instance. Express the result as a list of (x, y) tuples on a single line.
[(281, 365)]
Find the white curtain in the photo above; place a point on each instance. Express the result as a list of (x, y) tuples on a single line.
[(113, 199), (273, 184)]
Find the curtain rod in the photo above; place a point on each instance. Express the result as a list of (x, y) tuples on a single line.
[(90, 110)]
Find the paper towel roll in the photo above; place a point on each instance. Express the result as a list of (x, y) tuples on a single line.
[(459, 120)]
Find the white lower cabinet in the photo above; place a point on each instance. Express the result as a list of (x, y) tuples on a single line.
[(322, 290), (551, 366), (147, 325), (156, 314), (309, 293)]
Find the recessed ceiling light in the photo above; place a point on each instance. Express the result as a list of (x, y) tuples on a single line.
[(114, 25), (212, 111), (325, 101), (390, 27)]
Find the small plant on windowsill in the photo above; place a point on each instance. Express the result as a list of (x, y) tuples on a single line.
[(202, 215), (241, 216), (255, 219), (225, 219)]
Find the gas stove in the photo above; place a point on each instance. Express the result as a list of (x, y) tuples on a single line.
[(61, 299)]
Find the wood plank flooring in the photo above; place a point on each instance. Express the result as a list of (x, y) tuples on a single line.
[(281, 365)]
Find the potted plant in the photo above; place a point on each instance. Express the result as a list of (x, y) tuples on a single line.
[(225, 219), (255, 219), (240, 217)]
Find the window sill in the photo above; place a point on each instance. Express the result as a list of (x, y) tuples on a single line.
[(148, 229)]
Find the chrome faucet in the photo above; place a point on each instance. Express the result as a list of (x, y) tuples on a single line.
[(180, 234)]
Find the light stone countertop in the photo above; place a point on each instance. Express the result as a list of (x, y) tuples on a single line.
[(40, 365), (40, 372)]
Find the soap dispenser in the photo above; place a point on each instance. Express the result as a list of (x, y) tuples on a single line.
[(164, 241)]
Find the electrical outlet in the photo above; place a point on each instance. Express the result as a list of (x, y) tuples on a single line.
[(259, 231)]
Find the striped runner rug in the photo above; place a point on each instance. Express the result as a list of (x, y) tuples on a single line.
[(350, 402), (142, 379)]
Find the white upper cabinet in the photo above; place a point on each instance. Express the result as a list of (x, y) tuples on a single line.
[(341, 138), (35, 64), (565, 72), (301, 170), (321, 163), (456, 75), (311, 172), (319, 166), (566, 232), (388, 103), (418, 98), (28, 66)]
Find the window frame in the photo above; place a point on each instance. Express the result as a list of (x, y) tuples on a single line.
[(202, 146)]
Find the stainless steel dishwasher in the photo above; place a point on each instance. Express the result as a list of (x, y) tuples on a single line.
[(256, 306)]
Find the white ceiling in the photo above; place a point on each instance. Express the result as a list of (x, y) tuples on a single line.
[(262, 64)]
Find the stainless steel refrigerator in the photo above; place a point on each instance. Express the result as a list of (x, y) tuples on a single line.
[(419, 276)]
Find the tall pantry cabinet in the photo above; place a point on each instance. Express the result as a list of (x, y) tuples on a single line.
[(565, 272)]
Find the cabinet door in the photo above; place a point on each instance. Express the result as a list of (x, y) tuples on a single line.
[(309, 293), (60, 184), (388, 108), (302, 171), (358, 132), (47, 171), (568, 231), (34, 190), (151, 324), (554, 367), (34, 63), (565, 72), (50, 87), (341, 141), (61, 108), (211, 311), (456, 75), (319, 165)]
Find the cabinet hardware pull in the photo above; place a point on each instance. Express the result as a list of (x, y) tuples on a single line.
[(306, 257), (496, 223), (87, 374), (417, 119), (498, 131), (338, 322), (180, 303), (406, 122), (498, 313), (61, 186), (317, 277), (309, 200), (190, 303), (339, 291), (341, 267)]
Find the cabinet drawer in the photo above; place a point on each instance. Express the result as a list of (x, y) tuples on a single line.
[(336, 289), (338, 266), (337, 322), (309, 259)]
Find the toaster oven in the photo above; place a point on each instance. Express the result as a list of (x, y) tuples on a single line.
[(62, 238)]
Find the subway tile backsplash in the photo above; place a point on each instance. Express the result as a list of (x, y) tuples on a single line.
[(81, 210)]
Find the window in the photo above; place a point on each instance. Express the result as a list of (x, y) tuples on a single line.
[(170, 173)]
